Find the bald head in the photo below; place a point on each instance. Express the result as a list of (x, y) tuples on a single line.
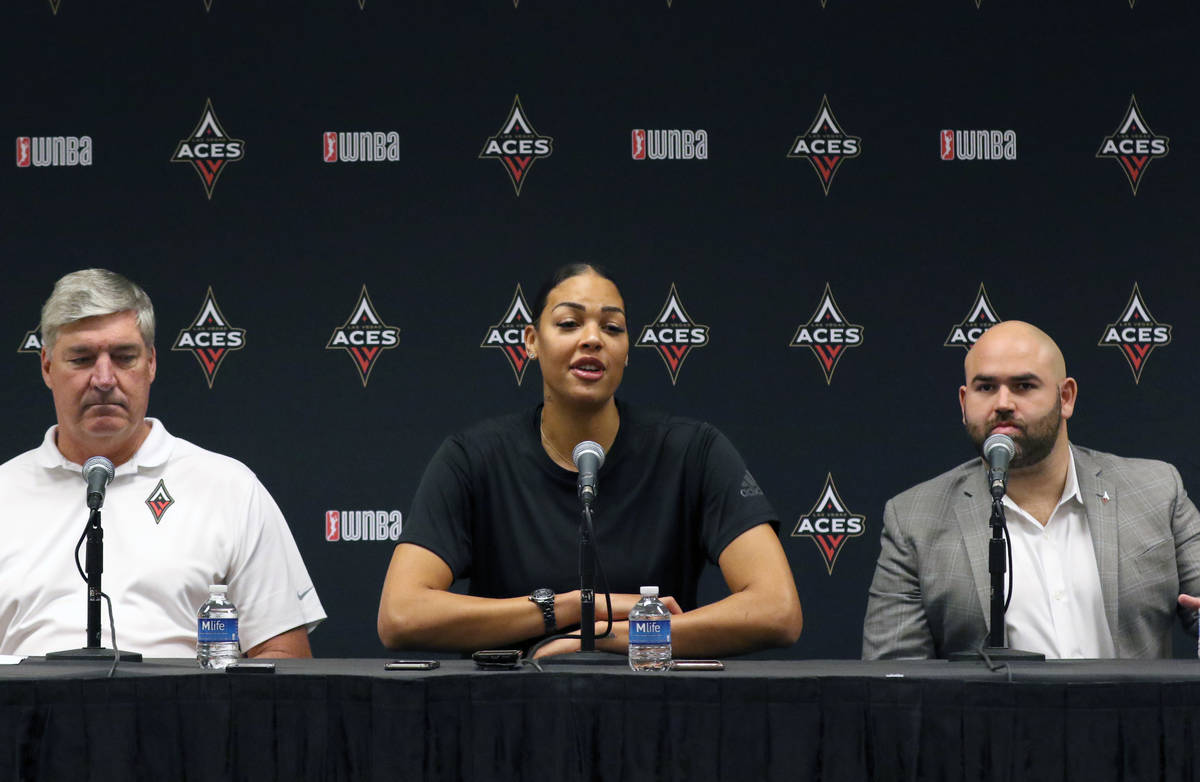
[(1017, 385), (1017, 344)]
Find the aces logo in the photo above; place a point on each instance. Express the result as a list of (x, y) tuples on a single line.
[(981, 317), (209, 149), (508, 334), (1134, 146), (364, 336), (828, 334), (210, 337), (830, 524), (517, 146), (825, 146), (1136, 333), (673, 334), (159, 500), (31, 342)]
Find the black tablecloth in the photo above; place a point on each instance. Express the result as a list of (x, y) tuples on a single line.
[(758, 720)]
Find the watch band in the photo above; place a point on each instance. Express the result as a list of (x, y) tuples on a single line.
[(543, 598)]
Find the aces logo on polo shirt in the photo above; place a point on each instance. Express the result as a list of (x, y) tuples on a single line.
[(364, 336), (159, 500), (1136, 333), (830, 523), (210, 337), (508, 334)]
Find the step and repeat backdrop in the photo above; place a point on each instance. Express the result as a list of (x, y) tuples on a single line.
[(342, 210)]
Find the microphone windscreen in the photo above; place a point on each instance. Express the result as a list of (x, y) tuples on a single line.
[(1001, 441), (588, 446), (99, 462)]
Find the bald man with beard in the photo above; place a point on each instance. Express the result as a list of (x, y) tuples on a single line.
[(1105, 549)]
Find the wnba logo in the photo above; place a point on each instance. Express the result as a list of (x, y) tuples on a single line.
[(669, 144), (362, 525), (364, 147), (978, 145)]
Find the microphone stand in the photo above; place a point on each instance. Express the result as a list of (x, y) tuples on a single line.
[(587, 654), (587, 584), (997, 565), (94, 562)]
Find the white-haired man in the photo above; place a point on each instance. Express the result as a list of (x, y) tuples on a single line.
[(176, 518)]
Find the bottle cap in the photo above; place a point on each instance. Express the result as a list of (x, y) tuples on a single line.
[(218, 589), (650, 591)]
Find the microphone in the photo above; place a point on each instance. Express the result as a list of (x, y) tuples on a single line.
[(589, 458), (98, 472), (998, 450)]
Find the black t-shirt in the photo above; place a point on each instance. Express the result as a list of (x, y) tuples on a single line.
[(672, 494)]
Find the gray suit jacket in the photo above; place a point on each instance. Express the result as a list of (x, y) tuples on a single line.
[(930, 594)]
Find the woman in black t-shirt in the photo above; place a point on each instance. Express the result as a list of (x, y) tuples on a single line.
[(473, 488)]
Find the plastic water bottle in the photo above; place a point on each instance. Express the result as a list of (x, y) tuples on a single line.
[(649, 633), (217, 630)]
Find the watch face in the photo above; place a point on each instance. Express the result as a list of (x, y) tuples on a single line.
[(543, 594)]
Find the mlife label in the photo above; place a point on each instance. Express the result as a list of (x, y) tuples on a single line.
[(217, 630), (650, 631)]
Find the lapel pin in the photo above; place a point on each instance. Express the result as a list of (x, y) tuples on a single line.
[(1104, 498)]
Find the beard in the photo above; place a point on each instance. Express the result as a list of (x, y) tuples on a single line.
[(1034, 442)]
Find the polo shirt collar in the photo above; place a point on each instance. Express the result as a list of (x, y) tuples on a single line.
[(154, 451)]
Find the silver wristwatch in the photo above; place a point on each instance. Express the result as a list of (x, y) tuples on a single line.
[(543, 598)]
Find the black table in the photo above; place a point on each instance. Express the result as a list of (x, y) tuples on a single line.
[(758, 720)]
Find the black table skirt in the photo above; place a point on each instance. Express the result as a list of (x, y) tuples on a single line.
[(817, 720)]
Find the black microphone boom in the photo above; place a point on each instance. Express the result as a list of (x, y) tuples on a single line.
[(98, 472), (589, 458)]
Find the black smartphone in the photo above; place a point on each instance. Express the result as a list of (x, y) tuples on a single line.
[(250, 668), (411, 665), (497, 658), (697, 665)]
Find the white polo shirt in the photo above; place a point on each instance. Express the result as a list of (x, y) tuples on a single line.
[(176, 519), (1057, 607)]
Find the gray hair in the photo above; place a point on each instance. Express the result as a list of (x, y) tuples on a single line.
[(90, 293)]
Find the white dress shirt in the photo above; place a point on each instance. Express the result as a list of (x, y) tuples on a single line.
[(1057, 607)]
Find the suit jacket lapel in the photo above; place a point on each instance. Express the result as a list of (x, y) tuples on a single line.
[(1100, 501), (972, 507)]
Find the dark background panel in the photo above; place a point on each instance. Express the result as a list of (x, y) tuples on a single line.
[(747, 236)]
